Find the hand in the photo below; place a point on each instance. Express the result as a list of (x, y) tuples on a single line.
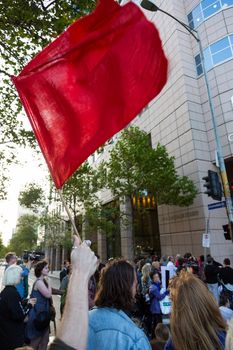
[(83, 258), (32, 301)]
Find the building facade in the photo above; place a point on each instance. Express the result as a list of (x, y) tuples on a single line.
[(180, 119)]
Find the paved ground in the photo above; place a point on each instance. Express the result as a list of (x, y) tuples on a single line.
[(55, 283)]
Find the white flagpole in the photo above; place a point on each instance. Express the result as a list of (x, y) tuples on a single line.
[(69, 213)]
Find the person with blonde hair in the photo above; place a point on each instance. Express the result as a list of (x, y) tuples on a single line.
[(12, 312), (229, 337), (196, 322)]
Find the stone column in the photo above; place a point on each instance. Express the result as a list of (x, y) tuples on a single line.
[(126, 227), (58, 258), (101, 245)]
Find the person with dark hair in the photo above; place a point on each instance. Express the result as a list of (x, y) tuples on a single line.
[(162, 334), (42, 291), (224, 307), (211, 274), (65, 270), (110, 326), (226, 278)]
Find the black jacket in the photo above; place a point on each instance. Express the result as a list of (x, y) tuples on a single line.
[(226, 275), (211, 273), (12, 315)]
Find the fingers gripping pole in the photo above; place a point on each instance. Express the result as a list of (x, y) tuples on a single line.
[(68, 213)]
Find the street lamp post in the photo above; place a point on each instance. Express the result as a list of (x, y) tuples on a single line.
[(150, 6)]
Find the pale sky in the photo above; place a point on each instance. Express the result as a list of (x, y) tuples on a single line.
[(29, 171)]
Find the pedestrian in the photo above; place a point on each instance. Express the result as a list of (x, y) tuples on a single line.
[(224, 307), (155, 298), (211, 274), (22, 287), (110, 326), (12, 311), (162, 334), (65, 270), (42, 291), (171, 267), (11, 259), (226, 278), (196, 322)]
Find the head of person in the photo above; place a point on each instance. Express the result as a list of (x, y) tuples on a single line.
[(156, 265), (162, 332), (195, 318), (117, 285), (209, 260), (146, 272), (223, 300), (11, 258), (12, 275), (227, 262), (170, 258), (41, 269), (155, 276)]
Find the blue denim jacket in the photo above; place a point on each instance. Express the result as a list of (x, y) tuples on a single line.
[(111, 329)]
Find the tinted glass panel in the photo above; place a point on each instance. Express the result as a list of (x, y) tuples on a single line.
[(227, 2), (199, 70), (197, 16), (207, 3), (222, 56), (211, 10), (198, 59), (219, 45)]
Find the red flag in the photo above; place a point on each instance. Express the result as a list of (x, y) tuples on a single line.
[(90, 82)]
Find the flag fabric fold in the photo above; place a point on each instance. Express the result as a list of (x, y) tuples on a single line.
[(90, 82)]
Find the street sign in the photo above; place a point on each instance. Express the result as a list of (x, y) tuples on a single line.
[(217, 205), (206, 240)]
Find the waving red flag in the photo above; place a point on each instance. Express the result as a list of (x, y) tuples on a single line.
[(90, 82)]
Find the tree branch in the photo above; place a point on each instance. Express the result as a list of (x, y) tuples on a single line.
[(46, 7)]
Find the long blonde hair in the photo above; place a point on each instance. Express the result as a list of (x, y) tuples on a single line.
[(195, 319)]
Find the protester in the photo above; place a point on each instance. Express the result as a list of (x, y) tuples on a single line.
[(110, 326), (196, 322), (42, 291), (211, 273), (12, 312), (224, 307), (226, 277), (65, 270), (162, 334), (155, 298), (171, 267), (11, 259), (22, 287), (72, 333)]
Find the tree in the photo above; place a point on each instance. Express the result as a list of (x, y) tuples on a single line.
[(134, 166), (2, 247), (32, 197), (26, 26), (25, 236)]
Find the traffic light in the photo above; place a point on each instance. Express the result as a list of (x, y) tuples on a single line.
[(213, 185), (226, 231)]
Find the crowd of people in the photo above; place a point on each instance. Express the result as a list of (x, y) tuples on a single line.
[(120, 305)]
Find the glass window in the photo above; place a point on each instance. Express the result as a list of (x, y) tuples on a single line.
[(208, 11), (190, 20), (219, 45), (226, 3), (222, 55), (197, 16), (207, 3)]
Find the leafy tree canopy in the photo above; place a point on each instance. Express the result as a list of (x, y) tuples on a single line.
[(32, 197), (135, 166), (25, 236), (26, 26)]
